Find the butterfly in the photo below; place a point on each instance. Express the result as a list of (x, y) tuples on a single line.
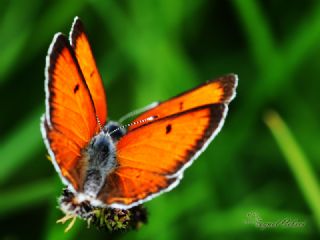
[(107, 165)]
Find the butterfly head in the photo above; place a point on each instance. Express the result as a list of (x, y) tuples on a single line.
[(115, 130)]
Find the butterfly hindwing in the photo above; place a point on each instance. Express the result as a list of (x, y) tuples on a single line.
[(152, 157), (80, 43), (70, 120)]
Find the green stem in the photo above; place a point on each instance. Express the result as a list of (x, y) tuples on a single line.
[(297, 161)]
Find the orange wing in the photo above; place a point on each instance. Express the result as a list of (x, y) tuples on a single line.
[(81, 46), (221, 90), (152, 157), (70, 120)]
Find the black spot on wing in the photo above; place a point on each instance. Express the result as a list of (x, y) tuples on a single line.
[(180, 106), (168, 128), (215, 116), (76, 88)]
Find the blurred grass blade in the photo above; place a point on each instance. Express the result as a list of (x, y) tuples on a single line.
[(170, 63), (18, 25), (10, 54), (58, 17), (15, 28), (297, 161), (26, 196), (258, 33), (20, 146), (304, 40), (275, 74)]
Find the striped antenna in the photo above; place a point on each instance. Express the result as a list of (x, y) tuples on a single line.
[(148, 119), (138, 111)]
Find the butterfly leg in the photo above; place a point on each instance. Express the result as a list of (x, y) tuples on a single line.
[(67, 217)]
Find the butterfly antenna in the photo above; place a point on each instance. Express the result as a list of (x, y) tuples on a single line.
[(99, 123), (138, 111), (145, 120)]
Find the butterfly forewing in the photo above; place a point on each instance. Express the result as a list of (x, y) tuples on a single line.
[(80, 44), (221, 90), (70, 120)]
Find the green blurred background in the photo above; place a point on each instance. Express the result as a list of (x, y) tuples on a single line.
[(152, 50)]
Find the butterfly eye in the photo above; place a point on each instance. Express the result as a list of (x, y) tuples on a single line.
[(115, 130), (112, 128)]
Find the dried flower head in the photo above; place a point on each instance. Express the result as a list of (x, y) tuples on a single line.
[(112, 219)]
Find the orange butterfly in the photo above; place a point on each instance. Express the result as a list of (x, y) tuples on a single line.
[(107, 165)]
